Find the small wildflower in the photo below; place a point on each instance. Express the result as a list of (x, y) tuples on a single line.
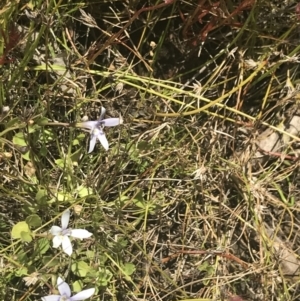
[(77, 209), (96, 128), (197, 87), (61, 234), (65, 293), (119, 88), (31, 279)]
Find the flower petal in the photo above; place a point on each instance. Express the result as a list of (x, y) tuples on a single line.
[(87, 124), (111, 121), (102, 139), (59, 281), (63, 287), (83, 295), (55, 230), (57, 240), (67, 246), (51, 298), (65, 219), (92, 143), (103, 111), (80, 233)]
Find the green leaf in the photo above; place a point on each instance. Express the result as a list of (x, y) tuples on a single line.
[(104, 276), (139, 200), (26, 237), (60, 163), (84, 191), (43, 245), (34, 221), (41, 197), (64, 196), (26, 156), (21, 271), (43, 151), (31, 129), (92, 274), (91, 254), (78, 140), (75, 142), (41, 121), (13, 122), (49, 135), (30, 208), (19, 139), (209, 269), (204, 266), (17, 230), (76, 156), (77, 286), (50, 262), (80, 268), (129, 268), (143, 145), (23, 258), (122, 243)]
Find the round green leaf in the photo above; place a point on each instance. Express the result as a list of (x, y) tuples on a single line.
[(17, 230), (26, 237), (41, 197), (34, 220), (129, 268)]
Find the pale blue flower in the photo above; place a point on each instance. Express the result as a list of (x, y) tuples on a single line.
[(96, 128), (61, 234), (65, 293)]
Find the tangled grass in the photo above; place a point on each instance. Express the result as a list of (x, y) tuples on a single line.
[(197, 196)]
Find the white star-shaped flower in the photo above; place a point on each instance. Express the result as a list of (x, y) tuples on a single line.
[(96, 128), (65, 293), (61, 234)]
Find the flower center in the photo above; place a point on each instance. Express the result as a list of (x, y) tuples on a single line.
[(64, 298), (97, 131), (66, 232), (100, 124)]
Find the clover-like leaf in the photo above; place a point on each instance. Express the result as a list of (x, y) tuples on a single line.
[(129, 268)]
